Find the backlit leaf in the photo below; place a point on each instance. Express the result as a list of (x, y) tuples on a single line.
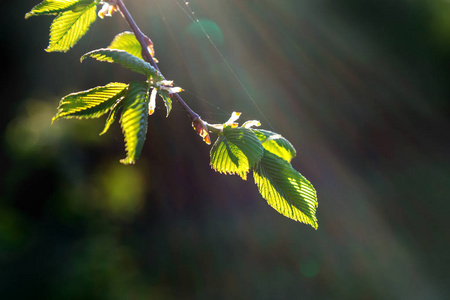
[(236, 151), (134, 120), (275, 143), (112, 116), (51, 7), (92, 103), (69, 26), (124, 59), (285, 189), (167, 100), (126, 41)]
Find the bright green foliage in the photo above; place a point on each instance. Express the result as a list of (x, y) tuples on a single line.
[(134, 119), (52, 7), (285, 189), (127, 41), (92, 103), (167, 100), (112, 116), (236, 151), (124, 59), (275, 143), (69, 26)]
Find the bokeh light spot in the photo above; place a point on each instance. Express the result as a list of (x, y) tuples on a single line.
[(123, 189), (309, 268)]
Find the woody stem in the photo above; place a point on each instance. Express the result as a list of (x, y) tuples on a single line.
[(146, 53)]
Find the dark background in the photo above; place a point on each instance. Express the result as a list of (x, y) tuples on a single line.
[(360, 88)]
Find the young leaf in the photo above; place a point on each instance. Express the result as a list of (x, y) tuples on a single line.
[(69, 26), (285, 189), (167, 100), (275, 143), (126, 41), (52, 7), (134, 120), (92, 103), (124, 59), (112, 116), (236, 151)]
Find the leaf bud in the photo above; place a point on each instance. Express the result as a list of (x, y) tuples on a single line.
[(202, 130)]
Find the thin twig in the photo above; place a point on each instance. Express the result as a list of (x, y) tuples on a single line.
[(146, 53)]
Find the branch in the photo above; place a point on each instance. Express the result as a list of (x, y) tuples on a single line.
[(142, 38)]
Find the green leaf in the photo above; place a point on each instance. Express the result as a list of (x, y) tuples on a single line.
[(167, 100), (112, 116), (69, 26), (124, 59), (134, 120), (52, 7), (92, 103), (285, 189), (275, 143), (126, 41), (236, 151)]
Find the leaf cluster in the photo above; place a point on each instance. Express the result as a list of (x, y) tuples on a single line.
[(237, 150), (72, 21)]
